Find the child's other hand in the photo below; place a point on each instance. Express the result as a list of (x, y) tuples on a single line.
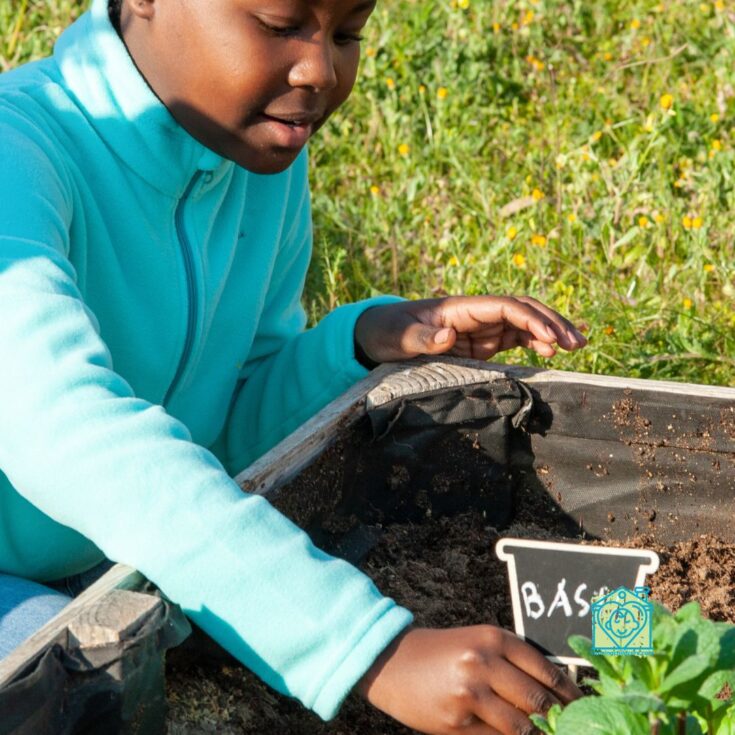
[(479, 680), (465, 326)]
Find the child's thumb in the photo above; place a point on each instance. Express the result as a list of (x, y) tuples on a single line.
[(439, 340)]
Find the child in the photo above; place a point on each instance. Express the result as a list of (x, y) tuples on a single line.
[(155, 232)]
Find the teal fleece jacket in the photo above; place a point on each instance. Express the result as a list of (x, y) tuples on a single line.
[(152, 344)]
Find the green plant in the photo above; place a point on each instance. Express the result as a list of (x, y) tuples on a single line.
[(686, 687)]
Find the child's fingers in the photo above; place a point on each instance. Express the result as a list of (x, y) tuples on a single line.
[(498, 713), (483, 349), (520, 689), (528, 659), (570, 337), (525, 314), (525, 317)]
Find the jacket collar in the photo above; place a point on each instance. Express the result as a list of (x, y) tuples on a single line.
[(122, 108)]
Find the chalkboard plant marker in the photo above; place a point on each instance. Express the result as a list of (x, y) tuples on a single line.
[(552, 587)]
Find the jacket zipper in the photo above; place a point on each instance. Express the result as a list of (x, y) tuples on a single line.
[(192, 298)]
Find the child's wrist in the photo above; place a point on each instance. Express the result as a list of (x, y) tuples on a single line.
[(362, 357)]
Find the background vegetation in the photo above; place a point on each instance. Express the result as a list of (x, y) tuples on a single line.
[(581, 152)]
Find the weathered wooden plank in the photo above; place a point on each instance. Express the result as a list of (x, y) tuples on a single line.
[(120, 577), (111, 619), (296, 451), (407, 379), (426, 374)]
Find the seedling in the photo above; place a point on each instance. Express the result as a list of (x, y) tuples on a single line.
[(686, 687)]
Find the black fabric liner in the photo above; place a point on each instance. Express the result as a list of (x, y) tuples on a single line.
[(626, 461), (613, 461), (111, 689)]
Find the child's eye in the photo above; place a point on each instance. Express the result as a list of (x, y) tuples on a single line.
[(281, 31), (342, 39)]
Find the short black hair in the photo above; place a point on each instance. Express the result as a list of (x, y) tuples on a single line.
[(113, 10)]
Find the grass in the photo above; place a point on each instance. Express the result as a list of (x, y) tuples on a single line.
[(578, 152)]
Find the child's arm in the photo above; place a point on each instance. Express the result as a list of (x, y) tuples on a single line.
[(479, 680), (82, 448), (466, 326)]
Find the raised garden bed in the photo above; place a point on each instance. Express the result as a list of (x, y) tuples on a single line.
[(591, 459), (415, 472)]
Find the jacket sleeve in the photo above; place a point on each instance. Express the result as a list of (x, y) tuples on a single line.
[(291, 373), (79, 445)]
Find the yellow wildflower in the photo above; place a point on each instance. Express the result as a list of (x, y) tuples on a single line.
[(537, 194), (686, 221), (666, 101), (422, 89), (704, 7), (453, 261), (643, 222), (404, 149), (375, 190), (645, 41), (659, 218), (464, 4), (719, 5), (442, 93), (539, 240), (714, 117), (496, 27), (687, 303), (708, 267), (370, 52), (572, 217), (595, 136), (607, 56), (635, 24), (716, 145), (528, 17), (390, 83), (697, 223), (519, 260), (608, 330), (511, 232)]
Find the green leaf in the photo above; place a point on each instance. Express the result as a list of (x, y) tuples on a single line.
[(601, 716), (643, 703), (725, 725), (689, 669), (714, 684), (583, 648), (689, 612), (547, 724)]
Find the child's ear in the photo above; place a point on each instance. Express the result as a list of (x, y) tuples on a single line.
[(143, 9)]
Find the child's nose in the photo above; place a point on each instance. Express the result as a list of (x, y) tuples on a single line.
[(314, 67)]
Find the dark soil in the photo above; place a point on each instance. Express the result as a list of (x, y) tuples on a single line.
[(444, 570)]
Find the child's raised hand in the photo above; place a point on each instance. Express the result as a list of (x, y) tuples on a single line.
[(479, 680), (465, 326)]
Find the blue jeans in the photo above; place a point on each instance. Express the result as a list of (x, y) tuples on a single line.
[(26, 606)]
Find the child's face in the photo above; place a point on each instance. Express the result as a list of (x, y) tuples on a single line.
[(251, 79)]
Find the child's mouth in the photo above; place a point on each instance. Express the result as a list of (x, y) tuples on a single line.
[(289, 132)]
